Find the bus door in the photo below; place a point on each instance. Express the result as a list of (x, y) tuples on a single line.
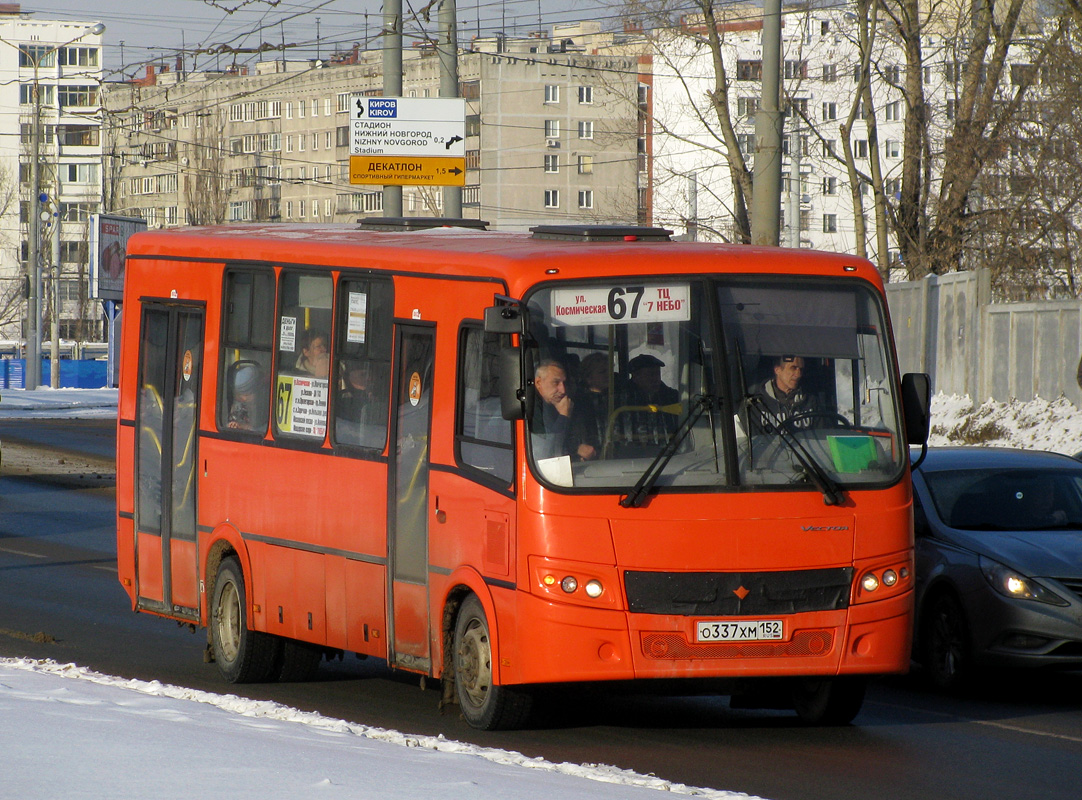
[(407, 531), (167, 419)]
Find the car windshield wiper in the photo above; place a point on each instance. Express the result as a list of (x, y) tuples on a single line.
[(642, 487), (832, 493)]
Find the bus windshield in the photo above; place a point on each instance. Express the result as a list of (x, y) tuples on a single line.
[(712, 383)]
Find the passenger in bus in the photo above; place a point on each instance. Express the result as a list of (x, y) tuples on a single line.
[(246, 410), (783, 396), (315, 355), (592, 406), (654, 406), (552, 415), (359, 416)]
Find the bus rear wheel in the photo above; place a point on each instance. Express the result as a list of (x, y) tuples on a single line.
[(484, 704), (830, 701), (241, 654)]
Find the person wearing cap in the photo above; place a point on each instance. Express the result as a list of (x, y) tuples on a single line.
[(245, 411), (652, 420), (783, 396)]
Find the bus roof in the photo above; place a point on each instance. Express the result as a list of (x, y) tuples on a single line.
[(517, 259)]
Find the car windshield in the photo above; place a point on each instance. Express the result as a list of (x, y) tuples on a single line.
[(1007, 500), (793, 387)]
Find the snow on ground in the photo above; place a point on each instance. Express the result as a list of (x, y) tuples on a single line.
[(73, 733), (70, 732)]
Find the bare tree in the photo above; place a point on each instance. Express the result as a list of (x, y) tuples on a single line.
[(13, 287), (205, 184)]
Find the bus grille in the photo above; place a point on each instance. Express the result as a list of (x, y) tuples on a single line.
[(737, 594), (676, 646)]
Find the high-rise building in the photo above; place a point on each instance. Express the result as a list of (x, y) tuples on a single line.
[(50, 81), (552, 135)]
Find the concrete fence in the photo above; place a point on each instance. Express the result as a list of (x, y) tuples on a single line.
[(947, 326)]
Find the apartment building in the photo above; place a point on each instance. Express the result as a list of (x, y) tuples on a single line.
[(552, 134), (50, 78)]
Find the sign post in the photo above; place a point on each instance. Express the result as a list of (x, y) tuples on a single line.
[(109, 236), (407, 141)]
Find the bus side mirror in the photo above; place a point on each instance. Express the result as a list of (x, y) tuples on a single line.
[(503, 319), (917, 406), (512, 394)]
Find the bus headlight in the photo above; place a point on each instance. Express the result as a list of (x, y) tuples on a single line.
[(569, 584), (594, 588), (870, 582)]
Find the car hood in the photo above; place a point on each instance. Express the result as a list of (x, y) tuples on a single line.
[(1047, 553)]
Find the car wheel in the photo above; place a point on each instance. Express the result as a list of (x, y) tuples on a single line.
[(241, 655), (830, 701), (945, 650), (484, 704)]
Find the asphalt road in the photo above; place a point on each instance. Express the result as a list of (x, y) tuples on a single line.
[(1016, 736)]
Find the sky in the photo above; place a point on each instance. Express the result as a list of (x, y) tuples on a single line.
[(157, 29)]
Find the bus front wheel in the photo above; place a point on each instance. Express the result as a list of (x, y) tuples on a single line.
[(484, 704), (241, 654), (829, 701)]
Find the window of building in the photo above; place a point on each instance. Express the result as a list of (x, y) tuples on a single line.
[(552, 128), (77, 96), (552, 93), (586, 164), (749, 70), (586, 129), (892, 112), (830, 111), (830, 185), (892, 74), (860, 148), (893, 148), (36, 54), (552, 198), (552, 163), (247, 334), (747, 106), (830, 73), (483, 437), (830, 147), (79, 56), (46, 94), (795, 69), (830, 223), (586, 198), (586, 95)]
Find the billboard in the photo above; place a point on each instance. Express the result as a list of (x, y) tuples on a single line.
[(109, 236)]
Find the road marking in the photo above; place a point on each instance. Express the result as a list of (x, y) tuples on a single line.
[(989, 723), (21, 553)]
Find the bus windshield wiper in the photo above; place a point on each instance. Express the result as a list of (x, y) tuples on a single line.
[(642, 487), (832, 493)]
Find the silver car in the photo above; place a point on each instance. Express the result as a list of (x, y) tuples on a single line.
[(998, 561)]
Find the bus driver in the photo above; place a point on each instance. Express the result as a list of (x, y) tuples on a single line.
[(783, 396)]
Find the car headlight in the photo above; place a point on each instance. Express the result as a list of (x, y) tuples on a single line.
[(1011, 583)]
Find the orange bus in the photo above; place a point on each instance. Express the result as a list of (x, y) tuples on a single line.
[(504, 460)]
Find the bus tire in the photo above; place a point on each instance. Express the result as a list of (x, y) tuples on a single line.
[(484, 704), (829, 701), (241, 654), (299, 661)]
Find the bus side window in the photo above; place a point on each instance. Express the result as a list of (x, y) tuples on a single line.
[(362, 376), (247, 333), (301, 385), (483, 435)]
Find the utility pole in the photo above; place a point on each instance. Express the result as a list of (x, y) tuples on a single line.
[(794, 189), (392, 85), (448, 52), (766, 180)]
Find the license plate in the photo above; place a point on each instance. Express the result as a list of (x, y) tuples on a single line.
[(745, 630)]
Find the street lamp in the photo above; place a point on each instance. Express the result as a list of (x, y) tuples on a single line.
[(33, 266)]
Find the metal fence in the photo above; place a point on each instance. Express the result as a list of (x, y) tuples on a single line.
[(947, 326)]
